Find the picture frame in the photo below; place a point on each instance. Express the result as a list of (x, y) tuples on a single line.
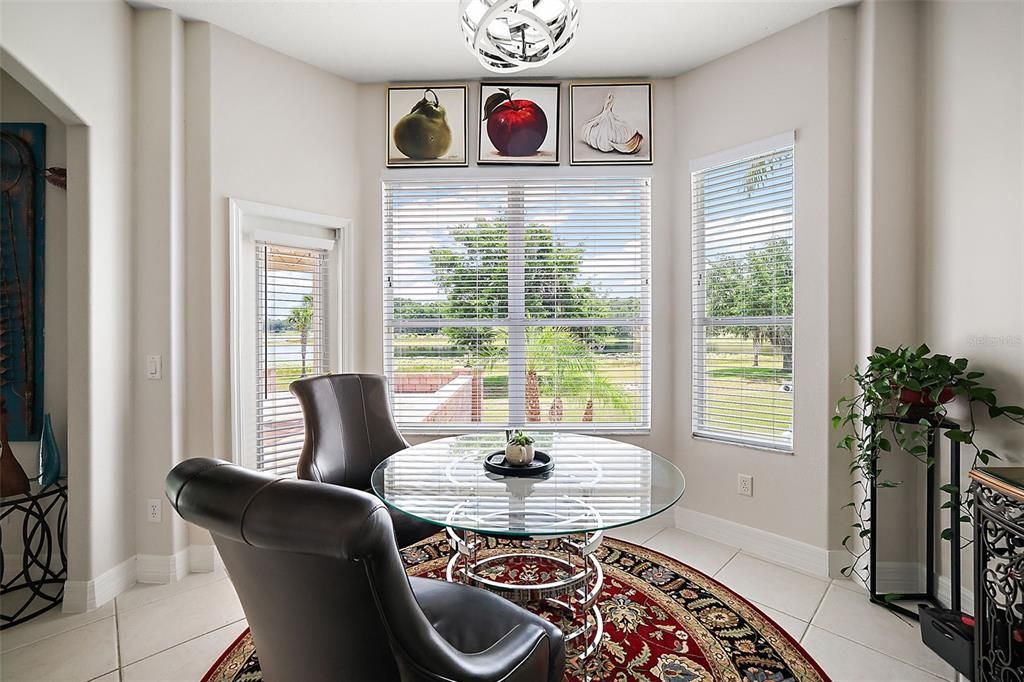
[(630, 106), (516, 135), (416, 136)]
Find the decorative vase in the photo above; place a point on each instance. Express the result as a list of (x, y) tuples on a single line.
[(519, 455), (49, 455)]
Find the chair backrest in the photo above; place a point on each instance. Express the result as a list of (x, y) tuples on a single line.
[(299, 554), (349, 428)]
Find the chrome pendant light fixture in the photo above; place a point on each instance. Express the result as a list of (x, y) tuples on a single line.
[(512, 35)]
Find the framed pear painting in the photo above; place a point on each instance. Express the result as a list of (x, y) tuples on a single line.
[(427, 126), (611, 124), (519, 124)]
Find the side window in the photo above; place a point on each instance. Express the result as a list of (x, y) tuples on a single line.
[(743, 298)]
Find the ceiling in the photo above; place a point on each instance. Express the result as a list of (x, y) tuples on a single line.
[(411, 40)]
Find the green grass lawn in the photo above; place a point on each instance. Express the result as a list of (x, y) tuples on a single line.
[(733, 379), (770, 374)]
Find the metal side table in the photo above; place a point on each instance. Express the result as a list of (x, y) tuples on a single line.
[(37, 585)]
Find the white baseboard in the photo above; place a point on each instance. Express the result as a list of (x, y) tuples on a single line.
[(85, 595), (966, 595), (159, 569), (775, 548), (910, 577), (901, 577), (838, 559), (204, 559)]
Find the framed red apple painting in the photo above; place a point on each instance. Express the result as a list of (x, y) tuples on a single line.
[(520, 124), (427, 126)]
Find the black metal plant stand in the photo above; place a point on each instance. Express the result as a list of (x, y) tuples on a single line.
[(39, 584), (931, 593)]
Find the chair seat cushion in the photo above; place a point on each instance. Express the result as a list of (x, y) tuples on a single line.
[(481, 618)]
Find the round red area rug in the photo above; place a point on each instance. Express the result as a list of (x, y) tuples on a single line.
[(662, 621)]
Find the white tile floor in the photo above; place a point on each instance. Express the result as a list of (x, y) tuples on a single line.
[(175, 632)]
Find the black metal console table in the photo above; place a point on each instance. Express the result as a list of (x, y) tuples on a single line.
[(38, 585), (931, 593), (999, 574)]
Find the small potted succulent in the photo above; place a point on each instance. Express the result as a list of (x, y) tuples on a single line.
[(519, 449)]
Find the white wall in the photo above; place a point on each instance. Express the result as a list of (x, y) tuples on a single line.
[(887, 216), (972, 200), (972, 278), (800, 79), (372, 124), (159, 329), (76, 58), (264, 127), (17, 105), (259, 125)]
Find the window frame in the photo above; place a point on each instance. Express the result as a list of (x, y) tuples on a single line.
[(251, 222), (519, 322), (697, 298)]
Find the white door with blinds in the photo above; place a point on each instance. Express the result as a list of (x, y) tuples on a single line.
[(743, 295), (286, 290), (291, 343), (517, 303)]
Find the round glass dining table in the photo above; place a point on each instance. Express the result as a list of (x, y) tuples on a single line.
[(557, 519)]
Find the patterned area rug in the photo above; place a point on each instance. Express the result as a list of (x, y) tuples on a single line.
[(663, 621)]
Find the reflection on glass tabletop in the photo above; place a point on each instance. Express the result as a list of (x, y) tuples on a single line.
[(596, 484)]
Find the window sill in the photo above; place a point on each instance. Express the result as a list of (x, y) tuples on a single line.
[(719, 440)]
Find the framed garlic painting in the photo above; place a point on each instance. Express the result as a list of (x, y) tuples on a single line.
[(611, 124), (427, 126)]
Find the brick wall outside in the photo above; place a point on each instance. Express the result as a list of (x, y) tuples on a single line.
[(461, 393)]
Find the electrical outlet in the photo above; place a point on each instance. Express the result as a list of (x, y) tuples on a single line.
[(154, 509), (745, 485)]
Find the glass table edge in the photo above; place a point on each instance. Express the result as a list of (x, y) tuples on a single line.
[(532, 534)]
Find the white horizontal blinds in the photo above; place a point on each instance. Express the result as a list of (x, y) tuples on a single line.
[(517, 302), (291, 333), (743, 299)]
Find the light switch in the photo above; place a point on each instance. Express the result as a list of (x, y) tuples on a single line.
[(154, 367)]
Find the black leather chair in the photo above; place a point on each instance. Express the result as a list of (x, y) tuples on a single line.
[(327, 597), (349, 431)]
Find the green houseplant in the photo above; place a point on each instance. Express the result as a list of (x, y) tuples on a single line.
[(917, 385)]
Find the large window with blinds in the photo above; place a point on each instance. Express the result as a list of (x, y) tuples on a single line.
[(518, 302), (291, 342), (743, 295)]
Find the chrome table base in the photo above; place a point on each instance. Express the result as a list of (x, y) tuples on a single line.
[(575, 593)]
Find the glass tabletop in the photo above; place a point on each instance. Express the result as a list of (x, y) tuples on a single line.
[(596, 484)]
